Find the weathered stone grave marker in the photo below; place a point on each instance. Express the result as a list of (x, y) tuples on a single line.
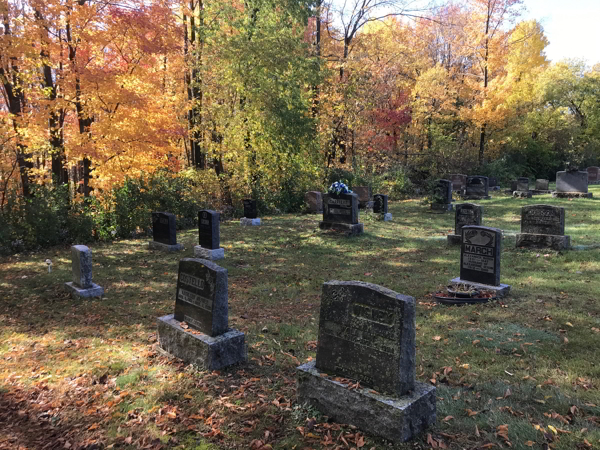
[(340, 212), (541, 187), (459, 182), (364, 196), (367, 335), (442, 196), (81, 266), (493, 183), (477, 188), (164, 233), (198, 332), (522, 188), (480, 258), (313, 201), (250, 213), (593, 175), (466, 214), (572, 184), (380, 206), (209, 236), (543, 226)]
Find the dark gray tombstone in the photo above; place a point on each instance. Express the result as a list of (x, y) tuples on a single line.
[(164, 228), (367, 335), (442, 196), (514, 185), (380, 206), (459, 182), (572, 184), (480, 258), (593, 175), (492, 182), (81, 266), (198, 332), (250, 211), (340, 212), (523, 184), (364, 194), (543, 226), (209, 236), (313, 201), (477, 188), (466, 214), (541, 185)]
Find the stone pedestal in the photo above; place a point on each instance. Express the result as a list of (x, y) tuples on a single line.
[(397, 419), (522, 194), (454, 239), (209, 353), (500, 290), (93, 291), (249, 222), (351, 229), (153, 245), (207, 253), (555, 242), (572, 194)]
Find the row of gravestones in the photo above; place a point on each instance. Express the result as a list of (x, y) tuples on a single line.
[(542, 226)]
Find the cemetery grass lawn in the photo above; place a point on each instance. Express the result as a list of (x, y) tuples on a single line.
[(526, 370)]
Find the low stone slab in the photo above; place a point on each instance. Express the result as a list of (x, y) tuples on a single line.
[(154, 245), (454, 239), (500, 290), (93, 291), (351, 229), (207, 253), (553, 241), (522, 194), (245, 222), (209, 353), (572, 194), (398, 419)]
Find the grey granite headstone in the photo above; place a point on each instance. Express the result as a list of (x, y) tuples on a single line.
[(477, 187), (459, 182), (522, 184), (593, 175), (81, 266), (572, 181), (364, 194), (340, 212), (466, 214), (201, 298), (367, 335), (313, 201), (492, 182), (541, 185), (543, 226)]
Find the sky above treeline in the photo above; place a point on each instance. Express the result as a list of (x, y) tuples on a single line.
[(572, 27)]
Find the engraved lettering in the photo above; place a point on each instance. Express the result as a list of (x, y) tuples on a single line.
[(191, 280), (195, 299)]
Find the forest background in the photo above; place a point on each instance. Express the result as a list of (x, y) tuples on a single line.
[(113, 109)]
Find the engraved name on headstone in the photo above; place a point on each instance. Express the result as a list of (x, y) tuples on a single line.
[(367, 333), (543, 219), (163, 228), (467, 214), (480, 255), (341, 208), (208, 229), (201, 298)]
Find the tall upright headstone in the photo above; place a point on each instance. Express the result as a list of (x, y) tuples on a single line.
[(480, 258), (459, 182), (340, 212), (477, 188), (367, 336), (313, 201), (442, 196), (81, 266), (466, 214), (380, 207), (199, 332), (164, 233), (543, 226), (209, 236), (250, 213), (593, 175), (365, 195), (572, 184)]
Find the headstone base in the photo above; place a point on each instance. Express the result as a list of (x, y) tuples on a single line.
[(93, 291), (153, 245), (553, 241), (540, 191), (351, 229), (522, 194), (207, 253), (477, 197), (454, 239), (249, 222), (387, 217), (397, 419), (572, 194), (441, 207), (209, 353), (500, 291)]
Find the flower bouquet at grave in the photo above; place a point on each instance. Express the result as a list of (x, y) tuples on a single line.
[(338, 188)]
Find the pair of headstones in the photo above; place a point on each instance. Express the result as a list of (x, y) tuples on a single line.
[(250, 213), (81, 266), (340, 212), (543, 226), (198, 332), (572, 184)]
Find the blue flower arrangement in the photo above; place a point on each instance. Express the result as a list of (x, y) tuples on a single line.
[(339, 188)]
